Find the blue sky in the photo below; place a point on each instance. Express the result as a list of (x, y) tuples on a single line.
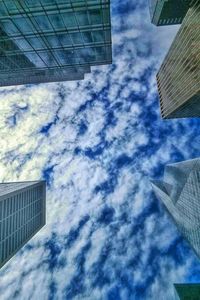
[(98, 142)]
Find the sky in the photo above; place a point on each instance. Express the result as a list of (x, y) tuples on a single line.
[(98, 143)]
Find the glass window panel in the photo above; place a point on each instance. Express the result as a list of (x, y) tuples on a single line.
[(7, 46), (43, 22), (76, 38), (11, 6), (65, 40), (86, 54), (23, 44), (87, 36), (36, 60), (53, 41), (101, 53), (36, 43), (49, 2), (107, 35), (9, 27), (106, 15), (50, 61), (33, 3), (65, 57), (56, 21), (82, 18), (98, 36), (95, 16), (3, 11), (69, 19), (23, 24)]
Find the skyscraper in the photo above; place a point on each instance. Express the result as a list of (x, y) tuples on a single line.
[(180, 193), (189, 291), (22, 214), (52, 40), (179, 76), (168, 12)]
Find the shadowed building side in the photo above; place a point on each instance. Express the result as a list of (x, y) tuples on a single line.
[(178, 79), (180, 192), (187, 291), (168, 12), (22, 215)]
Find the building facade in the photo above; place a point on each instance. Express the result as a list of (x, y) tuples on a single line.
[(178, 79), (168, 12), (189, 291), (180, 193), (22, 215), (48, 40)]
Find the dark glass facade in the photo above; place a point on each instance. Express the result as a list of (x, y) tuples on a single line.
[(52, 40), (22, 215), (179, 76), (188, 291), (179, 191), (168, 12)]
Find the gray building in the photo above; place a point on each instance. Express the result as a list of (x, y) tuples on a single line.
[(52, 40), (178, 78), (187, 291), (22, 215), (180, 193), (168, 12)]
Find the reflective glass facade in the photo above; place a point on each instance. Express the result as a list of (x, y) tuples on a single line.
[(22, 214), (187, 291), (179, 76), (52, 40), (180, 193), (168, 12)]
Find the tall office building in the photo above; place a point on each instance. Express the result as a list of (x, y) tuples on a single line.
[(168, 12), (22, 214), (180, 193), (179, 76), (52, 40), (189, 291)]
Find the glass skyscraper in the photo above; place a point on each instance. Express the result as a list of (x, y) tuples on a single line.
[(188, 291), (168, 12), (180, 193), (52, 40), (22, 215), (179, 76)]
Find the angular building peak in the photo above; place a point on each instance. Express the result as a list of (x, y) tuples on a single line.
[(180, 193), (9, 187), (188, 291), (168, 12)]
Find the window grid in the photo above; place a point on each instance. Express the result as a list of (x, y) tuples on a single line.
[(21, 215)]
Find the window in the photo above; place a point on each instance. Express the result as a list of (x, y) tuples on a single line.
[(82, 18), (23, 24), (69, 20), (36, 43), (87, 36), (95, 16), (98, 36), (56, 21), (50, 62), (9, 27), (76, 38), (43, 23)]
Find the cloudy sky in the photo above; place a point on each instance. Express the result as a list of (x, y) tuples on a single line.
[(98, 142)]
